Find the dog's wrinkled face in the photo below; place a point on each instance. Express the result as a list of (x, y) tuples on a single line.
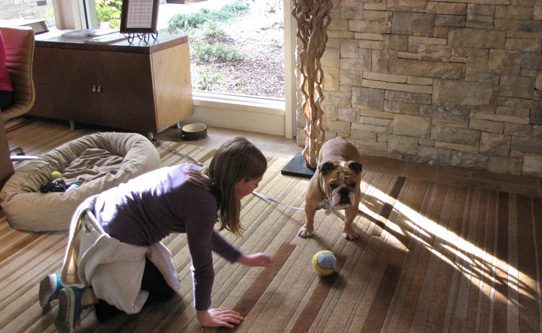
[(339, 180)]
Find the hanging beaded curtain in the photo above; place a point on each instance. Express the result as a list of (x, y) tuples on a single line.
[(312, 20)]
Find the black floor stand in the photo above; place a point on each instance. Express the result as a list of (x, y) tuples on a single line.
[(297, 167)]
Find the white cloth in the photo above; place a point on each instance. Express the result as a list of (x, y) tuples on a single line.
[(114, 269)]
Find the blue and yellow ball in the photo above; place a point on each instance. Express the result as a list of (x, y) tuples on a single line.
[(324, 262)]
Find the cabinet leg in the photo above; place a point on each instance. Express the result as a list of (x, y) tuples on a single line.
[(72, 125), (178, 125), (150, 136)]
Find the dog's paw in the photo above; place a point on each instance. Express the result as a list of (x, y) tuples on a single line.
[(350, 235), (304, 232)]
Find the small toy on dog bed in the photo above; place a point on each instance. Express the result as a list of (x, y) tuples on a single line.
[(57, 184), (324, 262)]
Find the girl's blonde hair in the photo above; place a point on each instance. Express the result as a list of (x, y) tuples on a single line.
[(235, 160)]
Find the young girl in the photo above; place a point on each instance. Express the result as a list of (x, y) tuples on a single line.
[(6, 88), (115, 259)]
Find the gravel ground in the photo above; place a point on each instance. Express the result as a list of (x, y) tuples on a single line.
[(258, 35)]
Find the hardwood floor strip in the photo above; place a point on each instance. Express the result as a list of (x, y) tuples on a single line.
[(382, 301), (251, 296), (529, 316), (537, 226), (500, 316), (316, 300)]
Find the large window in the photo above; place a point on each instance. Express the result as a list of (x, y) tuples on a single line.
[(38, 13), (236, 45)]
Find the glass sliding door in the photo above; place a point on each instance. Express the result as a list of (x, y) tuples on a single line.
[(237, 46)]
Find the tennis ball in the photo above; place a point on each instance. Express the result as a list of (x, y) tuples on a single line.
[(56, 175), (324, 262)]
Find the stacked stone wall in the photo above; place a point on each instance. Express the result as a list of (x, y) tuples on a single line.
[(447, 82), (27, 10)]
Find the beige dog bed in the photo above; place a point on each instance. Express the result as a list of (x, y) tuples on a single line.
[(99, 161)]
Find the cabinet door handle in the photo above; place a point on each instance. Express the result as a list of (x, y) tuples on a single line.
[(99, 89), (94, 88)]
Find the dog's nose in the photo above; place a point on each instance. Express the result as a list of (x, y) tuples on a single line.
[(344, 191)]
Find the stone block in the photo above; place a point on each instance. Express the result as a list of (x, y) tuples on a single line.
[(385, 77), (401, 96), (425, 68), (456, 147), (368, 112), (337, 126), (477, 38), (395, 42), (462, 93), (435, 155), (368, 36), (408, 125), (402, 108), (348, 114), (524, 45), (455, 135), (499, 117), (338, 98), (469, 160), (495, 144), (372, 98), (369, 128), (331, 57), (538, 82), (513, 12), (450, 20), (478, 21), (510, 166), (516, 86), (505, 62), (397, 86), (517, 129), (403, 144), (531, 60), (349, 49), (424, 81), (480, 9), (407, 5), (331, 78), (435, 53), (446, 8), (532, 165), (359, 134), (409, 23), (450, 113), (526, 145), (487, 125), (375, 121)]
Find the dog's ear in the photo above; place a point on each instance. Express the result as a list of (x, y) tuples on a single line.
[(355, 166), (327, 167)]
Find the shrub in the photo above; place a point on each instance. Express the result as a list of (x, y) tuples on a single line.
[(215, 52), (191, 21)]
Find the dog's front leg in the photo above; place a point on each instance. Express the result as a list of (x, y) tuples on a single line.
[(348, 232), (308, 228)]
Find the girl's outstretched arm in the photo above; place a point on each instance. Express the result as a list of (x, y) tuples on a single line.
[(256, 259), (218, 318)]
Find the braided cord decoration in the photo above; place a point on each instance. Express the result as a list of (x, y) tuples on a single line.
[(312, 18)]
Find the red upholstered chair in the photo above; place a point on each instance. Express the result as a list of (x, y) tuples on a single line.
[(19, 42)]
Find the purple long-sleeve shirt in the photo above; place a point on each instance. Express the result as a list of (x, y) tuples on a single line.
[(150, 207)]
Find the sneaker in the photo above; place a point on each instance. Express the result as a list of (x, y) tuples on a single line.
[(69, 309), (50, 287)]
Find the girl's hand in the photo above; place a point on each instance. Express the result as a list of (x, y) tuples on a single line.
[(256, 259), (218, 318)]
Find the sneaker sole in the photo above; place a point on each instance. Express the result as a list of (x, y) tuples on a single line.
[(47, 290), (64, 321)]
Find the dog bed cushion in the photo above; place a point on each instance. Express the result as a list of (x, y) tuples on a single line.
[(98, 161)]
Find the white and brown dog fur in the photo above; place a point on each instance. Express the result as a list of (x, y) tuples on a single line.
[(335, 185)]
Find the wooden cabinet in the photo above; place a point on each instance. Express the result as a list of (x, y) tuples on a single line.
[(143, 88)]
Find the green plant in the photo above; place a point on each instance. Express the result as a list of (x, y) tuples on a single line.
[(208, 79), (211, 30), (109, 11), (189, 22), (215, 52)]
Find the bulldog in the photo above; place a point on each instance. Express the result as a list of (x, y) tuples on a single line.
[(335, 185)]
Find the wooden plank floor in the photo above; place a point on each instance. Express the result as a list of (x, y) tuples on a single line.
[(435, 256)]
